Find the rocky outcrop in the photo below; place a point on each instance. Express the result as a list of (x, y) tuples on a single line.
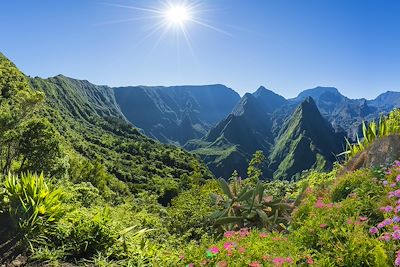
[(382, 151)]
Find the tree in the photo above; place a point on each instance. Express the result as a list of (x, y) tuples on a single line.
[(39, 146), (17, 102), (254, 171)]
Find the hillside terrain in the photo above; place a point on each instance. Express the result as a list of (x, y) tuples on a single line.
[(176, 114)]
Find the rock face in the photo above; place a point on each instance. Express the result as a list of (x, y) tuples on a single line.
[(384, 150)]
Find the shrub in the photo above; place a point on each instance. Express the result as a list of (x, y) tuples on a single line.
[(31, 205)]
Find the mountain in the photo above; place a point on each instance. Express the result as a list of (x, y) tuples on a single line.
[(176, 114), (293, 139), (388, 100), (95, 131), (306, 141)]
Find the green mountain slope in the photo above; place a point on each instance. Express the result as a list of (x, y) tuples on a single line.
[(176, 114), (92, 125), (292, 141), (305, 141)]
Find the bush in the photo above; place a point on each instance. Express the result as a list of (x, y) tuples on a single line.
[(32, 207)]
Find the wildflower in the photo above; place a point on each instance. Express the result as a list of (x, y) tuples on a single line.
[(229, 246), (398, 178), (190, 265), (373, 230), (396, 219), (319, 204), (229, 234), (244, 232), (363, 218), (323, 225), (385, 182), (255, 264), (393, 185), (380, 225), (278, 261), (289, 260), (310, 261), (397, 261), (397, 209), (241, 250), (396, 235), (263, 235), (386, 209), (396, 227), (214, 250), (385, 237), (222, 264), (397, 193), (387, 221)]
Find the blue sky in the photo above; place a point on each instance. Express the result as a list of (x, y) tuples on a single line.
[(285, 45)]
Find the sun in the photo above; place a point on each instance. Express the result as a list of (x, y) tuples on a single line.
[(177, 15)]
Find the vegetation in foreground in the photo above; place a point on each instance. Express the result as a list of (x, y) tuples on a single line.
[(75, 198)]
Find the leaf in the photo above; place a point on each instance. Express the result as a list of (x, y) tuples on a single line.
[(225, 188), (226, 220)]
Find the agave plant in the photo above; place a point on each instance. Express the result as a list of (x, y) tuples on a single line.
[(244, 206), (30, 204)]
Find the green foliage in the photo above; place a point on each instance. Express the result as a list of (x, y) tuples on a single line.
[(39, 146), (387, 125), (189, 213), (32, 206), (246, 206), (254, 171)]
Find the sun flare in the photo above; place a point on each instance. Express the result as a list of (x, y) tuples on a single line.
[(177, 15)]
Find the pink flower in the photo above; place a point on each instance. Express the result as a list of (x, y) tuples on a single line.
[(385, 237), (214, 250), (397, 261), (373, 230), (278, 261), (398, 178), (323, 225), (244, 232), (388, 221), (397, 209), (396, 235), (241, 250), (363, 218), (229, 234), (319, 204), (228, 246), (190, 265), (222, 264), (289, 260), (393, 185), (386, 209), (263, 235), (310, 261), (255, 264), (396, 227)]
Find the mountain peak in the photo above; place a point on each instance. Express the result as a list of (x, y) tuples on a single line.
[(317, 92), (269, 100)]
